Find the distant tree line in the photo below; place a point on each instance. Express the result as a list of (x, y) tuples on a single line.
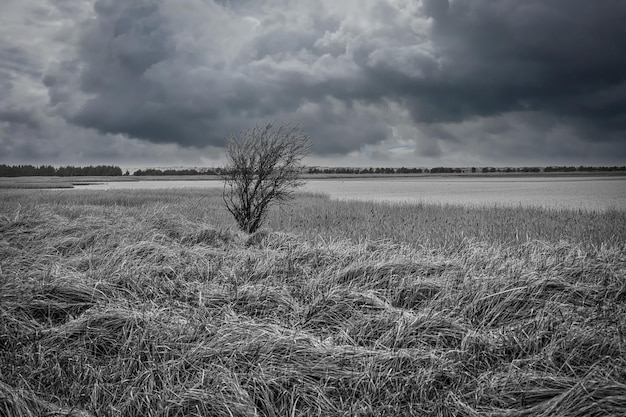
[(350, 170), (584, 169), (186, 171), (446, 170), (66, 171), (389, 170), (109, 170), (485, 170)]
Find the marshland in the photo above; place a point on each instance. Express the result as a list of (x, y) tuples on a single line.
[(152, 303)]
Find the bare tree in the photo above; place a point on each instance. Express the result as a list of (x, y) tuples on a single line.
[(263, 168)]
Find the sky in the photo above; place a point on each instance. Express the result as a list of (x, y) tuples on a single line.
[(373, 82)]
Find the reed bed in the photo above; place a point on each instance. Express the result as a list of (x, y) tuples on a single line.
[(151, 303)]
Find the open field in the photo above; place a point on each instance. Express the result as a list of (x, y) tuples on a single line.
[(44, 183), (53, 182), (150, 303)]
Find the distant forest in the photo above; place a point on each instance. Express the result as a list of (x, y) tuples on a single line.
[(387, 170), (442, 170), (50, 171), (109, 170)]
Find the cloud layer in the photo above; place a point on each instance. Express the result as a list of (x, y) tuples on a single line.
[(447, 82)]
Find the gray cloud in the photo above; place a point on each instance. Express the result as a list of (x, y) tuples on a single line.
[(20, 116), (560, 57), (488, 79), (190, 77)]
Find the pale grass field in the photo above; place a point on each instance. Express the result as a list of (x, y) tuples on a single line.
[(153, 304)]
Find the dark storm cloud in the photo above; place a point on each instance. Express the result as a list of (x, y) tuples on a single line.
[(563, 57), (136, 82), (116, 49), (191, 73), (147, 71), (19, 116), (14, 59)]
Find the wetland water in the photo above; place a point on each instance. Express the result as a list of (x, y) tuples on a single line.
[(585, 192)]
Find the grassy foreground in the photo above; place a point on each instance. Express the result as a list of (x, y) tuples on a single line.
[(152, 304)]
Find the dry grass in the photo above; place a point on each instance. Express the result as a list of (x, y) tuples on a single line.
[(448, 226), (151, 303)]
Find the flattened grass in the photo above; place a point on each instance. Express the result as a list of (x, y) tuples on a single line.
[(151, 303)]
